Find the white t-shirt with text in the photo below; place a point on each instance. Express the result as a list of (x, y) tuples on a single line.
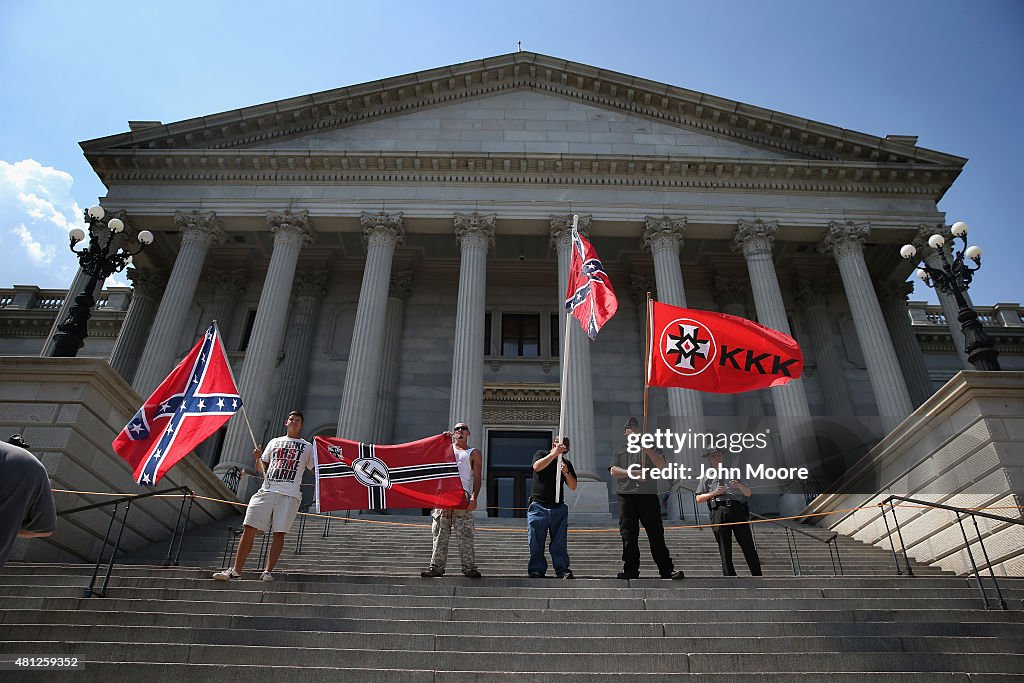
[(284, 460)]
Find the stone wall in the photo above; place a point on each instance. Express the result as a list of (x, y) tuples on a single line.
[(963, 447), (69, 410)]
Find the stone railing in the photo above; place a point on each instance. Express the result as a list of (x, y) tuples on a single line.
[(28, 297), (1000, 315), (28, 313)]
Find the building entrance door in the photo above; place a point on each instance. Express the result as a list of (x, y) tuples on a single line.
[(510, 469)]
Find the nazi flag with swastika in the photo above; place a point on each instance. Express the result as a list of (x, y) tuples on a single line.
[(351, 475)]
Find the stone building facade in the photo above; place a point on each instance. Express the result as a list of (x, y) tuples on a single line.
[(391, 257)]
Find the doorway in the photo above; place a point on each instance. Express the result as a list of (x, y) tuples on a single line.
[(510, 469)]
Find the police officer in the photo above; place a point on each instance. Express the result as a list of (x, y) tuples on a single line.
[(727, 499)]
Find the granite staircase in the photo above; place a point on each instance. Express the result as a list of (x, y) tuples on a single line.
[(352, 607)]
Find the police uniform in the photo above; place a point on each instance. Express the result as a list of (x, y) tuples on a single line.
[(727, 508)]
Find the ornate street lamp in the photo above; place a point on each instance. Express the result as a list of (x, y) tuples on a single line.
[(954, 278), (98, 261)]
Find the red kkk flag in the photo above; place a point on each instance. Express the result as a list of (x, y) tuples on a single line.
[(191, 404), (589, 296), (716, 352), (360, 476)]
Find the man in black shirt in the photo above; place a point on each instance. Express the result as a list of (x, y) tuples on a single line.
[(639, 504), (544, 515)]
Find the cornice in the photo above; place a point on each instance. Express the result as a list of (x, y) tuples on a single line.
[(764, 128), (709, 173)]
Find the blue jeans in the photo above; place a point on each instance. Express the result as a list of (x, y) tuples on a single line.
[(540, 521)]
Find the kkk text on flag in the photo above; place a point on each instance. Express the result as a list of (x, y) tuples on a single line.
[(191, 404), (715, 352), (589, 296), (360, 476)]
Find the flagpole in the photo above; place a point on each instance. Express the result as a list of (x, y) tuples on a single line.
[(647, 371), (565, 379)]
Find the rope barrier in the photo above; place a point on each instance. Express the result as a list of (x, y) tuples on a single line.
[(318, 515)]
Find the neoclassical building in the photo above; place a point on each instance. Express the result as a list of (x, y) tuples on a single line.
[(391, 257)]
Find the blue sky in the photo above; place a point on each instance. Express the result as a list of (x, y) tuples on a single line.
[(949, 72)]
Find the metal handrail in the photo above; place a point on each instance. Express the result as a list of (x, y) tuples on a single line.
[(173, 556), (960, 514)]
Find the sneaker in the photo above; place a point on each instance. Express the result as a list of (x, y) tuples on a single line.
[(266, 577), (675, 576), (567, 575), (471, 574), (227, 575), (624, 575), (536, 575), (432, 573)]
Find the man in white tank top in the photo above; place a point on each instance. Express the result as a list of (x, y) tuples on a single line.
[(470, 467)]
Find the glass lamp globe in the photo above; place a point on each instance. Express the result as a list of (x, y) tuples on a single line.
[(923, 274), (908, 251), (116, 225), (973, 252), (145, 237), (936, 241), (959, 229), (76, 234), (96, 212)]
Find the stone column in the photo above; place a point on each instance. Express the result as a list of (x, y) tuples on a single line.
[(754, 239), (384, 415), (148, 284), (307, 292), (810, 296), (731, 296), (591, 496), (639, 285), (663, 237), (228, 289), (199, 231), (893, 298), (475, 234), (383, 232), (845, 242), (949, 305), (291, 232)]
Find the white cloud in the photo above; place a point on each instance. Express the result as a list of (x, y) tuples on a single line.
[(38, 208), (40, 254)]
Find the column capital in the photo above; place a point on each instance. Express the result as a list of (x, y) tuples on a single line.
[(639, 285), (663, 233), (811, 294), (845, 238), (147, 281), (926, 230), (310, 284), (729, 291), (229, 284), (291, 227), (400, 286), (894, 292), (382, 228), (754, 237), (198, 226), (560, 228), (475, 229)]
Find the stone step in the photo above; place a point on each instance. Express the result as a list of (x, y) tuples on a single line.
[(514, 661), (1004, 643)]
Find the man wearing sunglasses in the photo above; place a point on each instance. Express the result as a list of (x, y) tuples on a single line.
[(470, 464)]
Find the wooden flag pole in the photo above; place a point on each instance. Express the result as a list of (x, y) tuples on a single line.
[(647, 372), (565, 379)]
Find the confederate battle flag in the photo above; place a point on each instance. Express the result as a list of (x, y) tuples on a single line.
[(715, 352), (360, 476), (589, 297), (191, 404)]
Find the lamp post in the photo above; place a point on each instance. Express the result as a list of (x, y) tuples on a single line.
[(98, 261), (954, 278)]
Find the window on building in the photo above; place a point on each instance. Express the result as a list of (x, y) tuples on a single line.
[(520, 334), (250, 320), (556, 348), (487, 334)]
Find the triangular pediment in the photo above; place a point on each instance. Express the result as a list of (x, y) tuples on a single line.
[(524, 121)]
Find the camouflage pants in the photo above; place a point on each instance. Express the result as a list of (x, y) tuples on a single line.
[(443, 521)]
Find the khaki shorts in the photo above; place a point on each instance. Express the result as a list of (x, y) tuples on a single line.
[(269, 511)]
